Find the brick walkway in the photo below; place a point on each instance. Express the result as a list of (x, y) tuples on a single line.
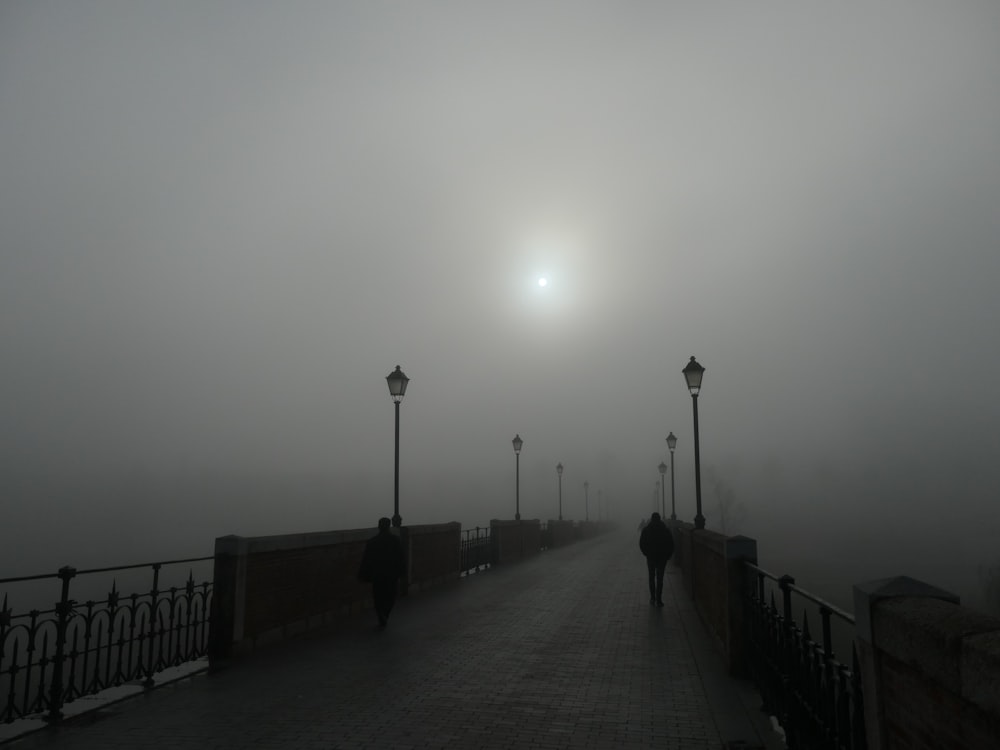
[(562, 651)]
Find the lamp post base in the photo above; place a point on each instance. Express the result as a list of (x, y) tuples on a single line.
[(699, 521), (397, 520)]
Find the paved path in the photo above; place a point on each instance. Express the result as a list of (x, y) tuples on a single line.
[(562, 651)]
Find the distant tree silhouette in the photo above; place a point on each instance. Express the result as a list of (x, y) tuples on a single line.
[(729, 511)]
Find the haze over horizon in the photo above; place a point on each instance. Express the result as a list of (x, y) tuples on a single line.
[(224, 224)]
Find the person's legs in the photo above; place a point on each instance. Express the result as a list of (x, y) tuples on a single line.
[(660, 568), (384, 594), (390, 596), (652, 580)]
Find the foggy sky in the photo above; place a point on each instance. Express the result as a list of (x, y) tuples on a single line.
[(223, 224)]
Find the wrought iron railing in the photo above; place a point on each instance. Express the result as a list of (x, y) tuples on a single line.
[(52, 656), (815, 697), (477, 550)]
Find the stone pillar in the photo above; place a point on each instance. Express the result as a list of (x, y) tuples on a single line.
[(867, 597), (738, 550), (506, 542), (228, 592)]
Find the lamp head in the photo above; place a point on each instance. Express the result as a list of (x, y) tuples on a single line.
[(559, 468), (397, 381), (662, 467), (693, 373), (517, 442), (671, 441)]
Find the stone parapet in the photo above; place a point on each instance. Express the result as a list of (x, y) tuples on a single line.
[(930, 667), (562, 533), (515, 540), (272, 587), (716, 579), (433, 554)]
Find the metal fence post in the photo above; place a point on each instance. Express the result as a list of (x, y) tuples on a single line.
[(151, 656), (63, 611), (222, 619)]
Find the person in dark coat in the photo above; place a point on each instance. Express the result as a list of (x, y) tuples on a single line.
[(657, 544), (382, 565)]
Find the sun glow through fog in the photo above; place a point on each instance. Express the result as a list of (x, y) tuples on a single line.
[(547, 269)]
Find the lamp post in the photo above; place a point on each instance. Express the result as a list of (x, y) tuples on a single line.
[(517, 474), (693, 373), (586, 502), (397, 381), (559, 469), (663, 488), (671, 444)]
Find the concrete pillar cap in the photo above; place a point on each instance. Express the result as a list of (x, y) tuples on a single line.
[(866, 595)]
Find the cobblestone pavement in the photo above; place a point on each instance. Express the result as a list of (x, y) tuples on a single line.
[(562, 651)]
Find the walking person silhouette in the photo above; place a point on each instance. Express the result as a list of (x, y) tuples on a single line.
[(382, 564), (657, 544)]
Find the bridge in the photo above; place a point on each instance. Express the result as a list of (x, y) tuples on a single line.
[(561, 650), (556, 647)]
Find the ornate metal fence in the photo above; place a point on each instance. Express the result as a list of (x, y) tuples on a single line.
[(817, 698), (477, 550), (51, 656)]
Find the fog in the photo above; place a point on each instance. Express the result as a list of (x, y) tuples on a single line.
[(222, 225)]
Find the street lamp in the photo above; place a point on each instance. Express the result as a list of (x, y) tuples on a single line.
[(586, 502), (397, 389), (663, 488), (693, 373), (599, 504), (517, 481), (559, 469), (671, 444)]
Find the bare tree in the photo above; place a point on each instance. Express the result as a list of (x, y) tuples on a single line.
[(730, 512)]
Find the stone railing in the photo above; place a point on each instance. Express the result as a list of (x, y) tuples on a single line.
[(273, 587), (716, 579), (514, 541), (931, 668), (562, 533), (433, 554), (269, 588), (928, 669), (518, 540)]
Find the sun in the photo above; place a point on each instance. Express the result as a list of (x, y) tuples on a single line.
[(543, 282)]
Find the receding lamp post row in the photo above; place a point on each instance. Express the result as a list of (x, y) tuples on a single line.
[(397, 381), (693, 373), (518, 443), (671, 444)]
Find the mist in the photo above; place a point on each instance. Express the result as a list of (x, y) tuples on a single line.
[(222, 226)]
